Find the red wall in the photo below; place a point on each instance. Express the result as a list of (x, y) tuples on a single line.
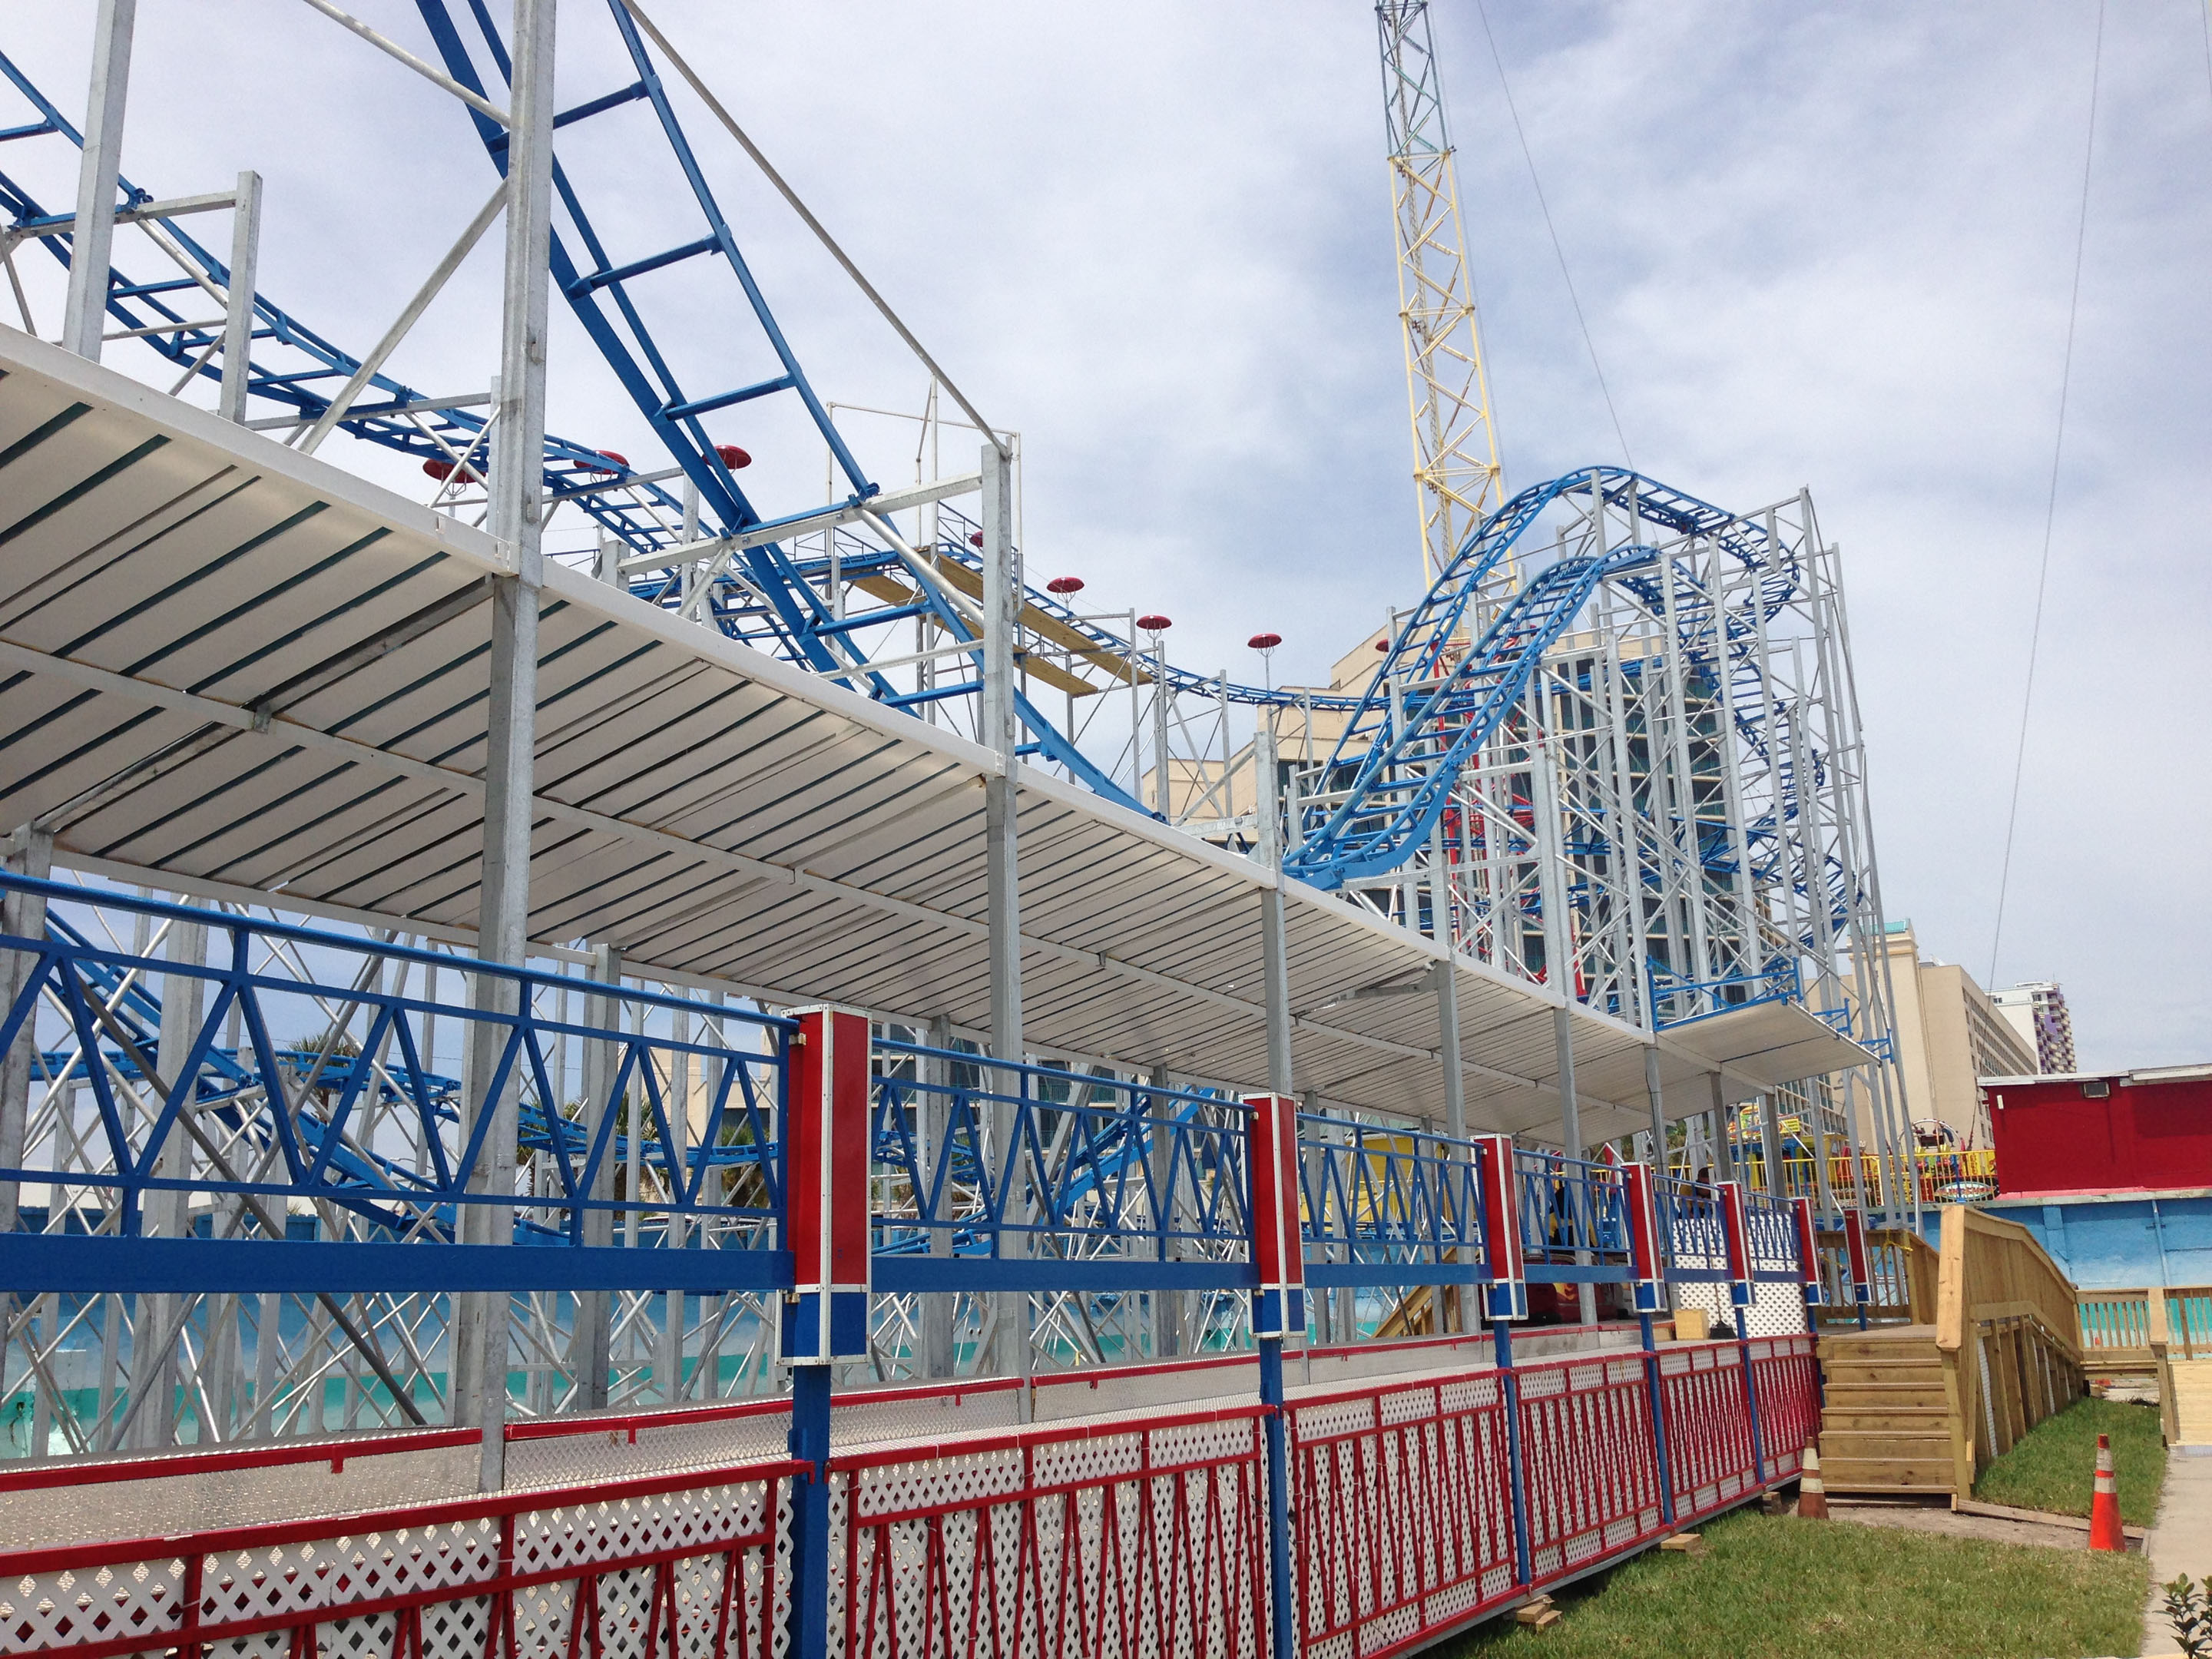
[(2051, 1137)]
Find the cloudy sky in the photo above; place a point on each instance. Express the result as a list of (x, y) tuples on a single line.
[(1816, 245)]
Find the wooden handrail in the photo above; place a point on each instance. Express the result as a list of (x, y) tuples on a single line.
[(2008, 1328), (1989, 1268)]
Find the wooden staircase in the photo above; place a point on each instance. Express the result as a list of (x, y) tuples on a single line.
[(1885, 1424)]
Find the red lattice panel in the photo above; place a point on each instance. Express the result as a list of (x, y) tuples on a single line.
[(1787, 1378), (1591, 1467), (1708, 1427), (1403, 1514), (1122, 1540)]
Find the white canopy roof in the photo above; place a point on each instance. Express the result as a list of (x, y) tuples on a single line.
[(229, 670)]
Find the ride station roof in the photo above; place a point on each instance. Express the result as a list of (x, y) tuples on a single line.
[(232, 670)]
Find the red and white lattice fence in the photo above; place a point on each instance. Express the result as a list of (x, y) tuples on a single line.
[(1417, 1505), (685, 1566), (1108, 1541)]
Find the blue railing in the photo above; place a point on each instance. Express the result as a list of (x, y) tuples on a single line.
[(283, 1067), (318, 1077), (1389, 1206), (985, 1162), (1678, 1001), (1573, 1213)]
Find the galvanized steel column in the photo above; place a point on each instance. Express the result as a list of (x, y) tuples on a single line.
[(92, 237), (30, 852), (238, 325), (515, 520), (164, 1213), (939, 1357), (601, 1061), (1002, 596)]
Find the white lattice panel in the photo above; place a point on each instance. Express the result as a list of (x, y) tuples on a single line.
[(1469, 1394), (290, 1579), (1775, 1311), (1334, 1417), (65, 1608)]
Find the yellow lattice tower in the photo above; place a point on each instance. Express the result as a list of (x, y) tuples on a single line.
[(1455, 466)]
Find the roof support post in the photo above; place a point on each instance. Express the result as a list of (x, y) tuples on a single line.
[(1002, 591), (937, 1307), (154, 1369), (1723, 1153), (517, 444), (238, 325), (1446, 975), (1655, 1097), (30, 852), (1274, 942), (92, 237), (1769, 1142), (601, 1059), (1160, 1161)]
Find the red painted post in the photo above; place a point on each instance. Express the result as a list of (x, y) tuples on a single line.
[(1278, 1307), (1855, 1252), (1809, 1252), (1501, 1228), (825, 1315), (1646, 1259)]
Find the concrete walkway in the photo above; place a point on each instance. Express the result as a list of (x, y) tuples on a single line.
[(2181, 1538)]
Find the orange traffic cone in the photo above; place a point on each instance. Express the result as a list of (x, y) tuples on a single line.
[(2105, 1503), (1812, 1496)]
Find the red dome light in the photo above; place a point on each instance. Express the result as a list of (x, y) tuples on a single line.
[(1154, 624), (621, 463), (1064, 585), (732, 457), (442, 470), (975, 540), (1382, 645), (1264, 641)]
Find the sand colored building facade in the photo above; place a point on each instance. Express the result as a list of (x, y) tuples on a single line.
[(1949, 1034)]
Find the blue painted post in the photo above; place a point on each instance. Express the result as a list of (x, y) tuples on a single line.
[(1509, 1301), (1501, 1337), (1647, 1258), (1735, 1227), (1281, 1606), (1658, 1418), (1278, 1307), (825, 1317), (810, 1510)]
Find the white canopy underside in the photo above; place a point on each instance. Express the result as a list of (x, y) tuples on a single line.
[(711, 811)]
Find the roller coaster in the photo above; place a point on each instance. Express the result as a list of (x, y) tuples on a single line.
[(1671, 798)]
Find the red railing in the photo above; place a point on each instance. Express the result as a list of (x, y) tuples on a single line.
[(1115, 1538), (688, 1560), (1118, 1537)]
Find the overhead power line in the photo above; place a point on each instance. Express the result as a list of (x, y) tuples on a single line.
[(2051, 500), (1558, 251)]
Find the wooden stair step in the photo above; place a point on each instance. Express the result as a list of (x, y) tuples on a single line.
[(1924, 1420), (1884, 1446), (1848, 1377), (1886, 1473)]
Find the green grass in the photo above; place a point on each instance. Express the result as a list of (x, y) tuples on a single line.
[(1779, 1588), (2052, 1468)]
